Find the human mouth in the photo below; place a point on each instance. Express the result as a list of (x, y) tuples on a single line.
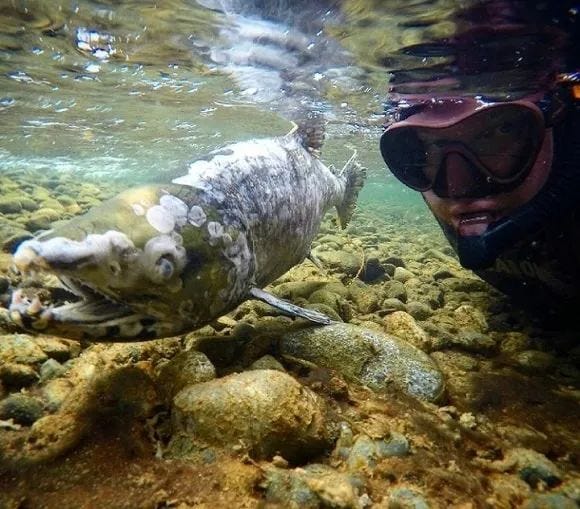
[(474, 223)]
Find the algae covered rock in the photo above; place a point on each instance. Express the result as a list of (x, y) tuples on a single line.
[(312, 487), (367, 357), (186, 368), (266, 411)]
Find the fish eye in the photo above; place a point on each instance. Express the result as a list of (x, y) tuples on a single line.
[(165, 266)]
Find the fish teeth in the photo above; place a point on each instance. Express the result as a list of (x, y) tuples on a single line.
[(35, 306), (17, 298)]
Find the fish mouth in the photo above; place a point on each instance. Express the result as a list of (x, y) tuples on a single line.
[(65, 309)]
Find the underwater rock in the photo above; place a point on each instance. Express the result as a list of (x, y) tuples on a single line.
[(470, 318), (17, 375), (395, 290), (312, 487), (58, 349), (332, 300), (406, 498), (367, 357), (418, 310), (401, 274), (55, 392), (531, 466), (267, 362), (373, 270), (10, 204), (18, 348), (473, 341), (549, 501), (421, 291), (391, 305), (21, 408), (51, 369), (403, 325), (365, 298), (186, 368), (341, 261), (266, 411), (534, 362), (367, 452)]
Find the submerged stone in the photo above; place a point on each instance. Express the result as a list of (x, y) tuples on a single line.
[(367, 357), (266, 411)]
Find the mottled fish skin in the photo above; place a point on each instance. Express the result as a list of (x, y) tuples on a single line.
[(172, 258)]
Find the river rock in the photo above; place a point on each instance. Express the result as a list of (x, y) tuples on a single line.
[(312, 487), (395, 290), (186, 368), (404, 326), (19, 348), (21, 408), (366, 451), (267, 411), (367, 357)]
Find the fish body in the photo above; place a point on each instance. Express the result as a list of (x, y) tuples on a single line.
[(159, 260)]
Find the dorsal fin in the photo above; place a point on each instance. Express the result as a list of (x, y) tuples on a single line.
[(310, 132)]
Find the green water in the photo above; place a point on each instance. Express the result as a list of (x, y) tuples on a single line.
[(140, 96)]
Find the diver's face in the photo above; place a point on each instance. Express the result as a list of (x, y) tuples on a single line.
[(472, 216)]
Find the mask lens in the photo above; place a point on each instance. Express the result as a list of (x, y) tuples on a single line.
[(405, 155), (509, 142)]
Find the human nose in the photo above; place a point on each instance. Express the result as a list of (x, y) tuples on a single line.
[(457, 178)]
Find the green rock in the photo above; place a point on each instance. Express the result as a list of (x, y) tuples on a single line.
[(367, 357), (21, 408)]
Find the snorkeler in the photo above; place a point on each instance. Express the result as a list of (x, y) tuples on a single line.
[(501, 174)]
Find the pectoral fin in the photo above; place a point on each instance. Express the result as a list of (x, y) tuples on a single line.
[(290, 309)]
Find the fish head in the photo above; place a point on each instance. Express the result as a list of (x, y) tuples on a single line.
[(123, 265)]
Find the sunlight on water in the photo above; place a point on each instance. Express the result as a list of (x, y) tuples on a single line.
[(132, 92)]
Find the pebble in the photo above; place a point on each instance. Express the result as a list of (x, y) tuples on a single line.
[(406, 498), (395, 290), (470, 318), (404, 326), (21, 408), (267, 411), (267, 362), (366, 452), (418, 310), (186, 368), (472, 341), (401, 274), (312, 487), (17, 375), (364, 297), (549, 501), (19, 348), (534, 362), (55, 392), (367, 357), (51, 369)]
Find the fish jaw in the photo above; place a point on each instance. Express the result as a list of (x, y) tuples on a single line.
[(105, 275)]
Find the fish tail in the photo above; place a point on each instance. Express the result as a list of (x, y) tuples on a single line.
[(354, 174)]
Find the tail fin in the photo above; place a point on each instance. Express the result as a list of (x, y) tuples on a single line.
[(355, 176)]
